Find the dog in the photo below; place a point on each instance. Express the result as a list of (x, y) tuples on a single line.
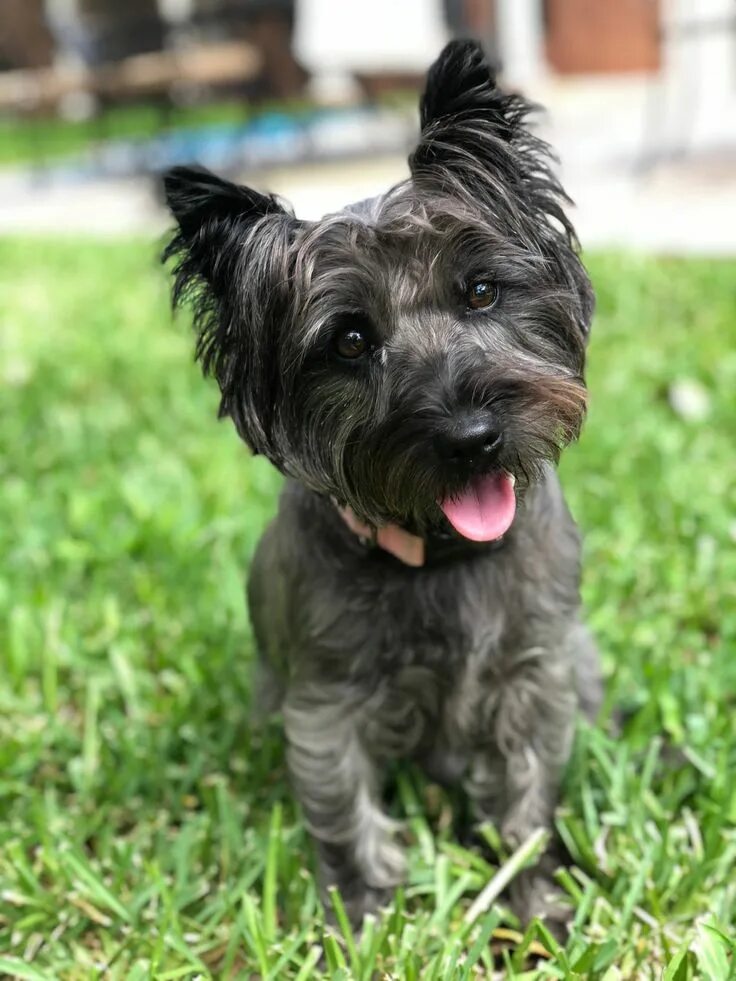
[(413, 365)]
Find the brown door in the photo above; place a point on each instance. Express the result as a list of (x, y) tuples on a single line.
[(603, 35)]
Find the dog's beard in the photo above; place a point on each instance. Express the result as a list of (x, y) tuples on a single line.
[(388, 471)]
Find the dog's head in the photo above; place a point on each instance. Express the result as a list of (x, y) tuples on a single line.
[(414, 353)]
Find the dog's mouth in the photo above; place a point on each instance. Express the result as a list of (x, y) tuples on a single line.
[(484, 510)]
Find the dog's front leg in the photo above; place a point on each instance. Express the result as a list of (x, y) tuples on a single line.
[(514, 779), (338, 785)]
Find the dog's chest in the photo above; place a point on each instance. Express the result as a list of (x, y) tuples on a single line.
[(439, 621), (434, 657)]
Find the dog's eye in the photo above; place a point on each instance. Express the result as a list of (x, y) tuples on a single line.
[(351, 344), (481, 294)]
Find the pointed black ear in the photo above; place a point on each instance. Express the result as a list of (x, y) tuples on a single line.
[(460, 82), (195, 197), (475, 143), (462, 105), (209, 210), (231, 254)]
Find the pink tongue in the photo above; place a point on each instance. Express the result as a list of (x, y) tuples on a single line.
[(484, 510)]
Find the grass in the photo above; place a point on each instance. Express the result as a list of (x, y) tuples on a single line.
[(45, 139), (42, 140), (146, 832)]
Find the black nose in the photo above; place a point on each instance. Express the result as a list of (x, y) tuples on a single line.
[(471, 438)]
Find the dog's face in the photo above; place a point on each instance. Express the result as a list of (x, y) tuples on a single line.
[(414, 354)]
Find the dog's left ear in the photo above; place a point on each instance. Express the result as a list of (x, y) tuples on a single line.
[(460, 99), (475, 141)]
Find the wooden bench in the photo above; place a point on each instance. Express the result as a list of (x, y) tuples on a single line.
[(140, 75)]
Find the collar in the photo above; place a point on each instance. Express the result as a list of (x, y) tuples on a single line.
[(410, 549), (404, 546)]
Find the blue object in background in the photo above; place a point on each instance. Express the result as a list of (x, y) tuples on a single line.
[(273, 138)]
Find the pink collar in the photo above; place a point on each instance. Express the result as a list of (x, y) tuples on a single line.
[(404, 546)]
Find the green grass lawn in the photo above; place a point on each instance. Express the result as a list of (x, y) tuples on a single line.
[(145, 832), (43, 140), (48, 139)]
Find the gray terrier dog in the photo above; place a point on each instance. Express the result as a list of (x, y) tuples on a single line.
[(413, 365)]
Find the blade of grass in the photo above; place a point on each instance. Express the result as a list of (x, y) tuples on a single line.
[(254, 934), (90, 882), (521, 857), (333, 953), (343, 922), (305, 972), (488, 924), (13, 967), (270, 876)]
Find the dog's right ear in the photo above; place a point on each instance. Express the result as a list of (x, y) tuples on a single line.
[(212, 215), (231, 251)]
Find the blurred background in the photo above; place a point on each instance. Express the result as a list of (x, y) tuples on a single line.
[(146, 827), (316, 99)]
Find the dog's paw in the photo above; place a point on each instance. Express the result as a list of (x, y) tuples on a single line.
[(359, 900), (383, 862), (534, 895)]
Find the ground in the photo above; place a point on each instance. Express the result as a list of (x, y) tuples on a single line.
[(147, 832)]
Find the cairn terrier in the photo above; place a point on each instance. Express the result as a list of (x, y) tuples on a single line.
[(413, 364)]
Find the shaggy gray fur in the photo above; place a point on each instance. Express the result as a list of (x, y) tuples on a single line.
[(473, 665)]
